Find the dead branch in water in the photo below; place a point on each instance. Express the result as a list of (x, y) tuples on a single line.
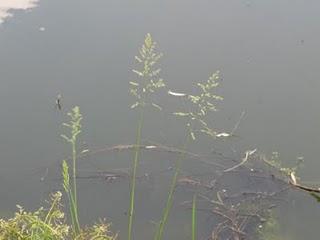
[(205, 159), (244, 160), (305, 188)]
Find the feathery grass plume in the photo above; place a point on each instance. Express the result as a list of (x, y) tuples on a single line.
[(50, 224), (148, 80), (146, 84), (75, 127), (201, 105), (65, 176), (41, 224)]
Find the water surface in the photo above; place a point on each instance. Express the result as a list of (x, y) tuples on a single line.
[(267, 52)]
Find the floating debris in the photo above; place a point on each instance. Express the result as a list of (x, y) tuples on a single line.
[(223, 135), (176, 94)]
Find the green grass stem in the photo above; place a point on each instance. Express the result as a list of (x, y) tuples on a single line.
[(194, 217), (134, 173), (166, 211), (74, 197)]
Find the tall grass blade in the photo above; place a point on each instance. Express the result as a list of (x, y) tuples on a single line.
[(134, 174), (167, 209), (194, 217)]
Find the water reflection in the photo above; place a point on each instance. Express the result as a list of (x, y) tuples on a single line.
[(6, 6)]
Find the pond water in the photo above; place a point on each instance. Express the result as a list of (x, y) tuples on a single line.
[(268, 55)]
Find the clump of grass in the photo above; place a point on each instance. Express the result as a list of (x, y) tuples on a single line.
[(71, 189), (38, 225), (49, 224), (142, 89)]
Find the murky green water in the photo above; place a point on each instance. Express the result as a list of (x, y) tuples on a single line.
[(267, 52)]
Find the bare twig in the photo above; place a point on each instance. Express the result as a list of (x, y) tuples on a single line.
[(244, 160), (237, 124), (305, 188)]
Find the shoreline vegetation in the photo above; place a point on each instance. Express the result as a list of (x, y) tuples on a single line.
[(238, 213)]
